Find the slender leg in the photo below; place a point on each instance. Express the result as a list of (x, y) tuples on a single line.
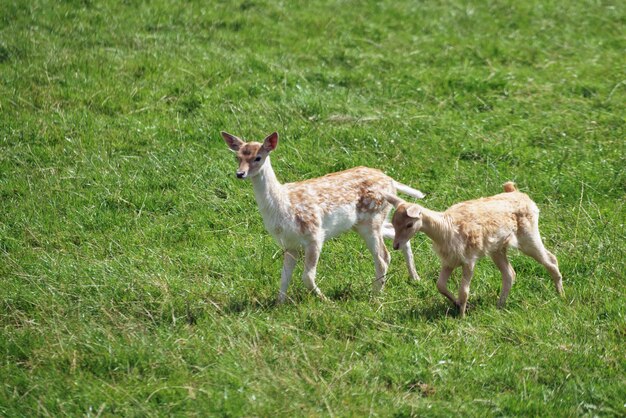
[(468, 271), (372, 235), (408, 257), (311, 256), (442, 283), (289, 263), (508, 275), (557, 278), (389, 233), (385, 253), (533, 247)]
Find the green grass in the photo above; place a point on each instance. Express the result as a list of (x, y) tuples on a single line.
[(136, 277)]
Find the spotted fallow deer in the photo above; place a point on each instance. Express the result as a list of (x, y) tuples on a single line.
[(469, 230), (304, 214)]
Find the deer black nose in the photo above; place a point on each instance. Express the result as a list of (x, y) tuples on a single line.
[(240, 174), (396, 245)]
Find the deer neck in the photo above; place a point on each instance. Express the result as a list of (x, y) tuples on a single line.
[(269, 193), (436, 225)]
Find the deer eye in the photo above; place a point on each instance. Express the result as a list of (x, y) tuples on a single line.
[(257, 159), (409, 225)]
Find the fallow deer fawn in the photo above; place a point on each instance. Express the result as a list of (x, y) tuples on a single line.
[(303, 215), (470, 230)]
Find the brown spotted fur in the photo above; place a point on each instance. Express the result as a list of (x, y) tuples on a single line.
[(304, 214)]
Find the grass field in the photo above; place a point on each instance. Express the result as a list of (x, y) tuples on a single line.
[(136, 277)]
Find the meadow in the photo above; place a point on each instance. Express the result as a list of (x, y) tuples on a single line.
[(136, 277)]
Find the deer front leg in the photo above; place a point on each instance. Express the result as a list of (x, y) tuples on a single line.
[(468, 272), (289, 263), (311, 256)]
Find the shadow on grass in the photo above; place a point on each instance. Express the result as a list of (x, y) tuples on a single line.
[(347, 292), (235, 306), (434, 311), (430, 310), (295, 297)]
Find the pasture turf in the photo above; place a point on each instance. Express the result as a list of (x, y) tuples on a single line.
[(136, 277)]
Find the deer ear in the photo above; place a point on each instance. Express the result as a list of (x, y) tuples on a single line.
[(414, 211), (232, 141), (393, 199), (271, 142)]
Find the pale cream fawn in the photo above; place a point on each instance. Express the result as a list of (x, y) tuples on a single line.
[(470, 230)]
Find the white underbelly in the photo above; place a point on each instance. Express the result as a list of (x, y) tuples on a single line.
[(286, 234), (340, 220)]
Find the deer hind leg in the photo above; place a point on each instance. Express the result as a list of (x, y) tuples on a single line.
[(532, 246), (311, 257), (508, 275), (372, 235), (389, 233), (383, 250), (408, 258)]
